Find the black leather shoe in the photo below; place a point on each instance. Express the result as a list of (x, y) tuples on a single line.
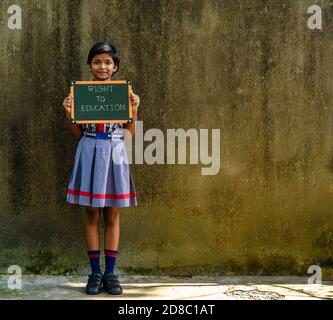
[(111, 283), (94, 285)]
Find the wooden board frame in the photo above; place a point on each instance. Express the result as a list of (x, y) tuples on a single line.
[(73, 82)]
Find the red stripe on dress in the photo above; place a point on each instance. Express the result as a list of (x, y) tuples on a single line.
[(101, 196)]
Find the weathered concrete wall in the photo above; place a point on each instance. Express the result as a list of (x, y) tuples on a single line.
[(251, 68)]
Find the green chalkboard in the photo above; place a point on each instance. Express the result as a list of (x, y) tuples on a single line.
[(101, 101)]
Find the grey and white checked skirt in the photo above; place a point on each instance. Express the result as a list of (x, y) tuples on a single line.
[(99, 181)]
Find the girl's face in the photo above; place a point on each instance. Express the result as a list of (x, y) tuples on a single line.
[(102, 67)]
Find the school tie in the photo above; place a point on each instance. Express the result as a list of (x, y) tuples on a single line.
[(100, 127)]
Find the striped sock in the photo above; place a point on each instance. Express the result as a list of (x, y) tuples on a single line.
[(94, 260), (110, 260)]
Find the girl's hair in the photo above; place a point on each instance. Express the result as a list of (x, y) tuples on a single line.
[(104, 47)]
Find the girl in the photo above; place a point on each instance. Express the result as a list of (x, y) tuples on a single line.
[(99, 183)]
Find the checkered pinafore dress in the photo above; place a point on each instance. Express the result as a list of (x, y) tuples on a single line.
[(96, 179)]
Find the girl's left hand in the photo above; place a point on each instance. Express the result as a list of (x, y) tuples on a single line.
[(135, 101)]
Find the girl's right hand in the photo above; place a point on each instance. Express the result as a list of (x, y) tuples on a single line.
[(67, 104)]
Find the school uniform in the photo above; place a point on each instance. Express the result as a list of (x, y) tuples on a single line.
[(101, 175)]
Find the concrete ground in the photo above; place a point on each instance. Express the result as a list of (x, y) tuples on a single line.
[(166, 288)]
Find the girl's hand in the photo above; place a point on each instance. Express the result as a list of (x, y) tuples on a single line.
[(67, 104), (135, 101)]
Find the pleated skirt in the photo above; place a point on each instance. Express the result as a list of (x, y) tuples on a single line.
[(98, 180)]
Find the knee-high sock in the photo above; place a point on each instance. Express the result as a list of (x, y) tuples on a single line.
[(94, 260), (110, 260)]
